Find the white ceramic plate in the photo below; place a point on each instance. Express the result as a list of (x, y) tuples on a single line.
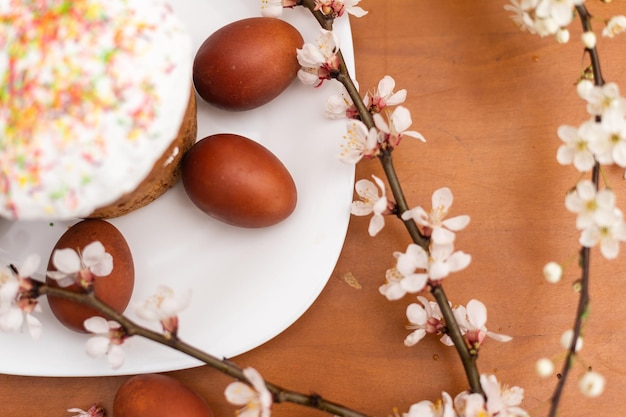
[(248, 285)]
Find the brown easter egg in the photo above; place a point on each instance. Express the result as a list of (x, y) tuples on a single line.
[(114, 289), (247, 63), (238, 181), (158, 395)]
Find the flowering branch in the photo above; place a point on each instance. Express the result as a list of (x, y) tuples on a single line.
[(130, 328), (585, 252), (468, 356), (341, 75)]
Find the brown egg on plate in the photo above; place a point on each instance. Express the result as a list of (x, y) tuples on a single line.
[(115, 289), (247, 63), (238, 181), (158, 395)]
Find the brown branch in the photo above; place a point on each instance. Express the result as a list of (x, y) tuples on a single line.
[(585, 253), (225, 366)]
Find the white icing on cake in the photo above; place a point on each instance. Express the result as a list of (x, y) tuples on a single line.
[(92, 93)]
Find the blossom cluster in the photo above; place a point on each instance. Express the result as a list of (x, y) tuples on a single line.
[(427, 319), (499, 400), (320, 62), (416, 268), (552, 17), (601, 139)]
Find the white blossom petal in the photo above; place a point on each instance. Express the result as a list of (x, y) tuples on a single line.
[(414, 337), (392, 291), (271, 8), (238, 393), (97, 346), (414, 282), (34, 326), (377, 222), (458, 260), (456, 223), (11, 320), (476, 313), (96, 324), (401, 119), (66, 260), (30, 265), (115, 356)]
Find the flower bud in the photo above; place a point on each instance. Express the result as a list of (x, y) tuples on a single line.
[(589, 40), (591, 384), (566, 340), (562, 35), (544, 367), (553, 272), (583, 88)]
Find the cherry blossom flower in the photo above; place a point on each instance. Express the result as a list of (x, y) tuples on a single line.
[(395, 128), (443, 408), (470, 405), (256, 399), (575, 148), (598, 218), (502, 401), (107, 340), (392, 289), (415, 269), (608, 232), (425, 319), (521, 14), (72, 267), (591, 384), (589, 203), (319, 61), (608, 140), (164, 306), (359, 142), (444, 260), (18, 298), (544, 17), (371, 203), (274, 8), (340, 106), (472, 320), (600, 98), (441, 261), (384, 95), (615, 26), (404, 278), (94, 411), (561, 11), (336, 8), (441, 231)]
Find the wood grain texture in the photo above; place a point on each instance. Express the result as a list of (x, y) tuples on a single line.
[(489, 99)]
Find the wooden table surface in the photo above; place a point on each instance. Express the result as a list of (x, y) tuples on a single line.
[(489, 99)]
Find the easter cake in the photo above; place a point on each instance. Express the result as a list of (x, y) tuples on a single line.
[(96, 106)]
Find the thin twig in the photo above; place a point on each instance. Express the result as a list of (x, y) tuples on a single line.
[(585, 253)]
